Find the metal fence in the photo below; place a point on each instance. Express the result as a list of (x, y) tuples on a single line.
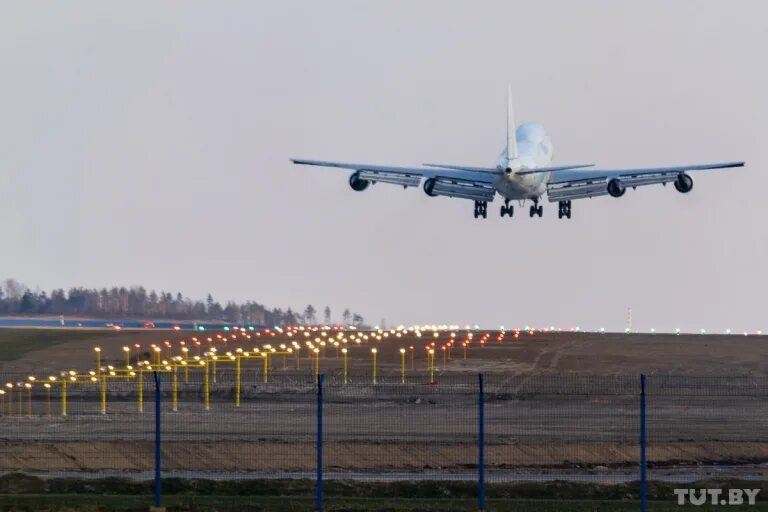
[(469, 428)]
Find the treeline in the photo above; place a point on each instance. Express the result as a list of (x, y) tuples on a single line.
[(137, 303)]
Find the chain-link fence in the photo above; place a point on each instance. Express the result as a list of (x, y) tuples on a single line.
[(233, 425)]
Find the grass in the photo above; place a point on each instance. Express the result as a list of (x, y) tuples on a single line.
[(27, 493), (16, 343)]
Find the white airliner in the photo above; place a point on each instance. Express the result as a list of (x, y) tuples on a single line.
[(524, 171)]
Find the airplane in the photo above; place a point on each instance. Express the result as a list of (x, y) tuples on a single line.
[(524, 171)]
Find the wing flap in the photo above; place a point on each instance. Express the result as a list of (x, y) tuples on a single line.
[(405, 180), (463, 190)]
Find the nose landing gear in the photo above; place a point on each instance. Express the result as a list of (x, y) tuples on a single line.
[(507, 209)]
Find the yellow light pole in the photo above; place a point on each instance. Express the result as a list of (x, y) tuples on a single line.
[(431, 364), (265, 355), (373, 353), (445, 352), (412, 351), (464, 347), (127, 351), (344, 354), (237, 381), (2, 402), (175, 389), (141, 387), (138, 352), (103, 393), (158, 354), (402, 366), (64, 394), (47, 386), (317, 362), (98, 357), (207, 388), (297, 348)]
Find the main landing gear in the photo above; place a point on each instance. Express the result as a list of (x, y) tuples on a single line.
[(481, 209), (507, 209), (536, 209), (564, 209)]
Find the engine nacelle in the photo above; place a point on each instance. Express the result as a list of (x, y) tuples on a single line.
[(358, 184), (683, 183), (429, 187), (616, 188)]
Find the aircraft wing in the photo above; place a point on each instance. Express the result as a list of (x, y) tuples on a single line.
[(466, 184), (571, 184)]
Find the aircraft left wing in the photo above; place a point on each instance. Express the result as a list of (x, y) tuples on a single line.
[(466, 184), (571, 184)]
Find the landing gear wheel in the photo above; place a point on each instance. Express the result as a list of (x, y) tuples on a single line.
[(532, 211), (540, 211), (564, 209), (481, 209), (507, 209)]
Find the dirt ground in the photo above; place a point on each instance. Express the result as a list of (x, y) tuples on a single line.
[(567, 400)]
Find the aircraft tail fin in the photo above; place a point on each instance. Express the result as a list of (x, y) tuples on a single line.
[(511, 138)]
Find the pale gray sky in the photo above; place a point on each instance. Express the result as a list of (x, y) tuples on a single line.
[(148, 143)]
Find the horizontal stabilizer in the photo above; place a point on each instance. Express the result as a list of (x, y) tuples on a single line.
[(554, 169), (492, 170)]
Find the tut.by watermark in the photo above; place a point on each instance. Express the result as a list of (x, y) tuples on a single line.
[(716, 496)]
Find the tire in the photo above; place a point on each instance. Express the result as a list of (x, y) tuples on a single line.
[(532, 211)]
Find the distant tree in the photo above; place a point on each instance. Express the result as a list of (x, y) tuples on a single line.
[(327, 315), (28, 303), (310, 314), (136, 302), (357, 320)]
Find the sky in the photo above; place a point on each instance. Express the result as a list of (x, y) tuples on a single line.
[(146, 143)]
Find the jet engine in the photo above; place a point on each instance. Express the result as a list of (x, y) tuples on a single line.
[(429, 187), (358, 184), (683, 183), (616, 188)]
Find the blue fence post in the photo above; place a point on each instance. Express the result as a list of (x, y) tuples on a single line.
[(158, 394), (319, 482), (481, 446), (643, 442)]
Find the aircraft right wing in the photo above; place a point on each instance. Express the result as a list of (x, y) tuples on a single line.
[(574, 184), (460, 183)]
